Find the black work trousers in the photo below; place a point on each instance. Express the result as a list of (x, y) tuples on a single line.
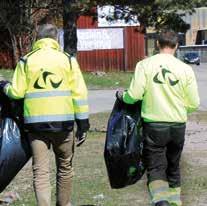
[(163, 145)]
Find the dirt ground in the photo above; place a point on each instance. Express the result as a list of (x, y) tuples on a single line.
[(193, 169), (195, 154), (196, 141)]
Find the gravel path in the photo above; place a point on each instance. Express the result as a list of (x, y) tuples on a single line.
[(196, 141), (195, 153)]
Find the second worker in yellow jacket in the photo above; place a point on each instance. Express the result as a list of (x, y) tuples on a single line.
[(168, 90)]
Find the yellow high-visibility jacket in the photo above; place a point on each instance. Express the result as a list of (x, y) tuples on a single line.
[(167, 88), (51, 84)]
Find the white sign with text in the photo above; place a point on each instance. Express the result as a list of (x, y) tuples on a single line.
[(96, 39)]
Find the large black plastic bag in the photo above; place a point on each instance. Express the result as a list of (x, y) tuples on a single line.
[(14, 145), (123, 146)]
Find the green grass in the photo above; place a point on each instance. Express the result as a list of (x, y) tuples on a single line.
[(194, 179), (111, 80), (91, 179), (6, 74)]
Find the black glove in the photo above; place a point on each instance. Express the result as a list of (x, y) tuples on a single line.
[(119, 95), (3, 83), (82, 128), (80, 137)]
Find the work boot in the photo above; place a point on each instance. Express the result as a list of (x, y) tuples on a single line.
[(162, 203)]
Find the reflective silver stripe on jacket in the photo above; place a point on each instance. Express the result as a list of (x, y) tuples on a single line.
[(48, 94), (49, 118), (82, 115), (80, 102)]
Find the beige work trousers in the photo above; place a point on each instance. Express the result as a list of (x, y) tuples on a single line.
[(63, 148)]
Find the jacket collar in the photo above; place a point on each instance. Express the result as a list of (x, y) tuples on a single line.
[(46, 42)]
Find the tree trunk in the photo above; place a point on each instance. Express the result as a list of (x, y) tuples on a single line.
[(14, 48), (69, 27), (20, 46)]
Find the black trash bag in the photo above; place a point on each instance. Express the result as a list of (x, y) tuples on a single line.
[(124, 144), (14, 145)]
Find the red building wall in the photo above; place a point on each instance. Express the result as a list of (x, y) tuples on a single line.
[(102, 60), (112, 59)]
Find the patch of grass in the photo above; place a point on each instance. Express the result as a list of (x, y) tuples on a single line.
[(6, 74), (111, 80), (194, 180), (96, 124), (91, 185)]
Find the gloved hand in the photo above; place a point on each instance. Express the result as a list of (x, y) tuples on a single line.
[(119, 95), (80, 137), (3, 83)]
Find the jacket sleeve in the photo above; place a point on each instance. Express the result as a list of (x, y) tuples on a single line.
[(192, 99), (80, 97), (17, 89), (137, 85)]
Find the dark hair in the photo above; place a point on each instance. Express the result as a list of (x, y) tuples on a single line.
[(167, 38), (47, 31)]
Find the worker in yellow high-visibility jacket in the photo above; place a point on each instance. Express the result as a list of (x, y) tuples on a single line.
[(168, 90), (55, 95)]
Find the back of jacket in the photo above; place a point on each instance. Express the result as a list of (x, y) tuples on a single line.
[(167, 88), (52, 86)]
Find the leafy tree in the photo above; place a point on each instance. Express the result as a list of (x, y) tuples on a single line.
[(12, 18), (158, 14), (18, 23)]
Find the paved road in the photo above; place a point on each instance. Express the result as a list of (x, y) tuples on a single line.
[(103, 100)]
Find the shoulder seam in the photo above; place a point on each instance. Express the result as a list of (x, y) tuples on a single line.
[(69, 58), (24, 60), (32, 52)]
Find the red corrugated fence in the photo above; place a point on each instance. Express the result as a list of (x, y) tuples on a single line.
[(106, 59), (112, 59)]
